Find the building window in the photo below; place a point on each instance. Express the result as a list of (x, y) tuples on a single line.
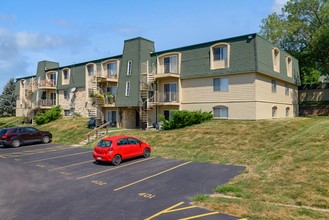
[(90, 70), (273, 86), (127, 88), (220, 112), (170, 92), (220, 53), (286, 89), (220, 84), (111, 69), (289, 66), (287, 112), (274, 111), (66, 74), (276, 59), (220, 56), (167, 114), (129, 66), (112, 90), (170, 64), (66, 94)]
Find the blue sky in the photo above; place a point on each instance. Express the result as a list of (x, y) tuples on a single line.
[(72, 31)]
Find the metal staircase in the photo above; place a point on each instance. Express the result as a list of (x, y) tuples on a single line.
[(147, 103), (93, 111)]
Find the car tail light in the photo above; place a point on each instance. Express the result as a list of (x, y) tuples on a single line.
[(110, 149), (4, 136)]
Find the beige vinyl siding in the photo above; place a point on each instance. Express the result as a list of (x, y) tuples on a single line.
[(264, 91), (266, 99), (236, 110), (199, 94), (200, 90)]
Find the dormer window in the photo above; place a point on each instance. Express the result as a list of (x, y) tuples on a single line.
[(90, 70), (289, 66), (276, 59), (65, 76), (220, 56), (169, 63), (111, 69)]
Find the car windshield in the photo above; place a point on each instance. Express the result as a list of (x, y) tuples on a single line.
[(104, 143)]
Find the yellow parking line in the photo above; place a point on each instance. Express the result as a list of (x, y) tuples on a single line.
[(114, 168), (51, 158), (180, 209), (1, 156), (164, 211), (71, 165), (122, 187), (199, 216)]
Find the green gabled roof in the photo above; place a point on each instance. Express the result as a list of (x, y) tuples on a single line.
[(25, 77), (86, 62), (205, 44)]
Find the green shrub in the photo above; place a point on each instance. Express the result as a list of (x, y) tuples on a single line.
[(49, 115), (181, 119)]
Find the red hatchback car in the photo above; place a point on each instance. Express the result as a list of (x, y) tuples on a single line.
[(117, 148)]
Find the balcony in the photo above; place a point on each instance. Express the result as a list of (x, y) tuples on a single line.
[(45, 103), (166, 75), (104, 76), (47, 84), (168, 98)]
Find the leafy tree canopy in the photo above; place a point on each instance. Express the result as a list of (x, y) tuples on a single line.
[(302, 29), (8, 99)]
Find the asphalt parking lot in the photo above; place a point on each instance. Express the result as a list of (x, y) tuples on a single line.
[(51, 181)]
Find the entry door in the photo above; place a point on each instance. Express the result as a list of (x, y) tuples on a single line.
[(53, 98), (111, 116), (52, 78)]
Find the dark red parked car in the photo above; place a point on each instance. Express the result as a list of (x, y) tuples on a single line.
[(117, 148), (16, 136)]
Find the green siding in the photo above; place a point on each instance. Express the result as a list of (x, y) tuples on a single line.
[(77, 77), (138, 51), (265, 62), (196, 61), (44, 66)]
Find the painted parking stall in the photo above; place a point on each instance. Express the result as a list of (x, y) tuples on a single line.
[(141, 188)]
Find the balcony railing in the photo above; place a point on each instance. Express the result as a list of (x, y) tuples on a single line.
[(46, 102), (47, 83), (168, 97), (105, 75)]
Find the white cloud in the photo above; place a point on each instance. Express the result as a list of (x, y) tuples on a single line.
[(18, 50), (278, 5)]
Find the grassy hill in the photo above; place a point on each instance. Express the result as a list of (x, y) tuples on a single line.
[(286, 161)]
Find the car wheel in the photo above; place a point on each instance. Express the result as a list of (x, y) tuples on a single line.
[(15, 143), (45, 139), (116, 160), (146, 153)]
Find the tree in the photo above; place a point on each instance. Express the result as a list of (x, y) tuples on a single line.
[(8, 99), (302, 29)]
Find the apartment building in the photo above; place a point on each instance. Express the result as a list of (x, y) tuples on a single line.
[(244, 77)]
